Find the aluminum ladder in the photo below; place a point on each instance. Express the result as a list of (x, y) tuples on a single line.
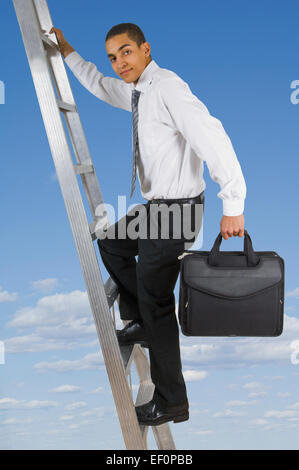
[(55, 97)]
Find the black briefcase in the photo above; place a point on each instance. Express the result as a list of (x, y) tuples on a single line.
[(231, 293)]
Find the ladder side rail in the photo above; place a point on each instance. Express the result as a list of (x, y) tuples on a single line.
[(79, 144), (73, 122), (74, 126)]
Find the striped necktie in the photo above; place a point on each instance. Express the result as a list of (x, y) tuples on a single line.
[(134, 102)]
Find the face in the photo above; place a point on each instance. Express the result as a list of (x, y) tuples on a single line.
[(128, 57)]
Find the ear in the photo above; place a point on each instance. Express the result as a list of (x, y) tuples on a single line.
[(147, 48)]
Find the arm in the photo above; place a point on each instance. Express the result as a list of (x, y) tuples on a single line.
[(111, 90), (209, 140), (66, 49)]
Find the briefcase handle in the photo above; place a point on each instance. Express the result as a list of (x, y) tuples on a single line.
[(252, 258)]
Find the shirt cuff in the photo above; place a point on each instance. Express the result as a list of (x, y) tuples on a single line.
[(72, 59), (233, 208)]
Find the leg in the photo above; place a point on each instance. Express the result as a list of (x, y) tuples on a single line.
[(157, 304), (157, 272), (118, 255)]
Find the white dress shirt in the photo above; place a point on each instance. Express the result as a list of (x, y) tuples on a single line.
[(176, 134)]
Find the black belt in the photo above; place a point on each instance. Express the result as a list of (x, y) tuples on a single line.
[(187, 200)]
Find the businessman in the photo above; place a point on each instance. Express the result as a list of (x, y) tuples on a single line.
[(173, 134)]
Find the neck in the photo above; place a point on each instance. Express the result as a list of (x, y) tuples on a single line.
[(135, 83)]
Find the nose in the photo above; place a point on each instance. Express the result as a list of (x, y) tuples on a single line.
[(123, 66)]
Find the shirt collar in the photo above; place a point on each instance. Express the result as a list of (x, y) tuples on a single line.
[(146, 77)]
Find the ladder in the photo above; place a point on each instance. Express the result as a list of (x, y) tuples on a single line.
[(55, 97)]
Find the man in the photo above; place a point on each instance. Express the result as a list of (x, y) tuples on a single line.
[(173, 134)]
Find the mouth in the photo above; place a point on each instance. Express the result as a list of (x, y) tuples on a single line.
[(126, 71)]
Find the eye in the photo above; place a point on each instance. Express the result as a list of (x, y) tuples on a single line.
[(127, 50)]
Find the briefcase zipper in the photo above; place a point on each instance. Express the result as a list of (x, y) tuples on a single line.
[(222, 296)]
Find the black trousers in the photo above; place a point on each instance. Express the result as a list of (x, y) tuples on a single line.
[(146, 287)]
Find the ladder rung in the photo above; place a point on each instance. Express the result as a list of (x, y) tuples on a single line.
[(82, 169), (93, 236), (111, 291), (143, 429), (127, 355), (66, 106), (48, 41)]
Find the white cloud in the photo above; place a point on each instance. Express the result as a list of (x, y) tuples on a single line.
[(98, 390), (53, 310), (293, 293), (240, 403), (256, 389), (252, 385), (66, 389), (73, 426), (204, 352), (259, 422), (76, 406), (7, 297), (99, 412), (203, 433), (11, 403), (279, 414), (194, 375), (66, 417), (294, 406), (232, 386), (260, 393), (70, 328), (228, 413), (13, 421), (55, 431), (23, 434), (60, 321), (53, 178), (46, 286), (90, 361), (38, 343), (35, 343), (237, 352)]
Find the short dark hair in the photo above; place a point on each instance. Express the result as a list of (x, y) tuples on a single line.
[(133, 31)]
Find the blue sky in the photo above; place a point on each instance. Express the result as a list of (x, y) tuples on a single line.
[(240, 59)]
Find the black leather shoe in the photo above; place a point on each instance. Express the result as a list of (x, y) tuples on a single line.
[(154, 413), (132, 333)]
